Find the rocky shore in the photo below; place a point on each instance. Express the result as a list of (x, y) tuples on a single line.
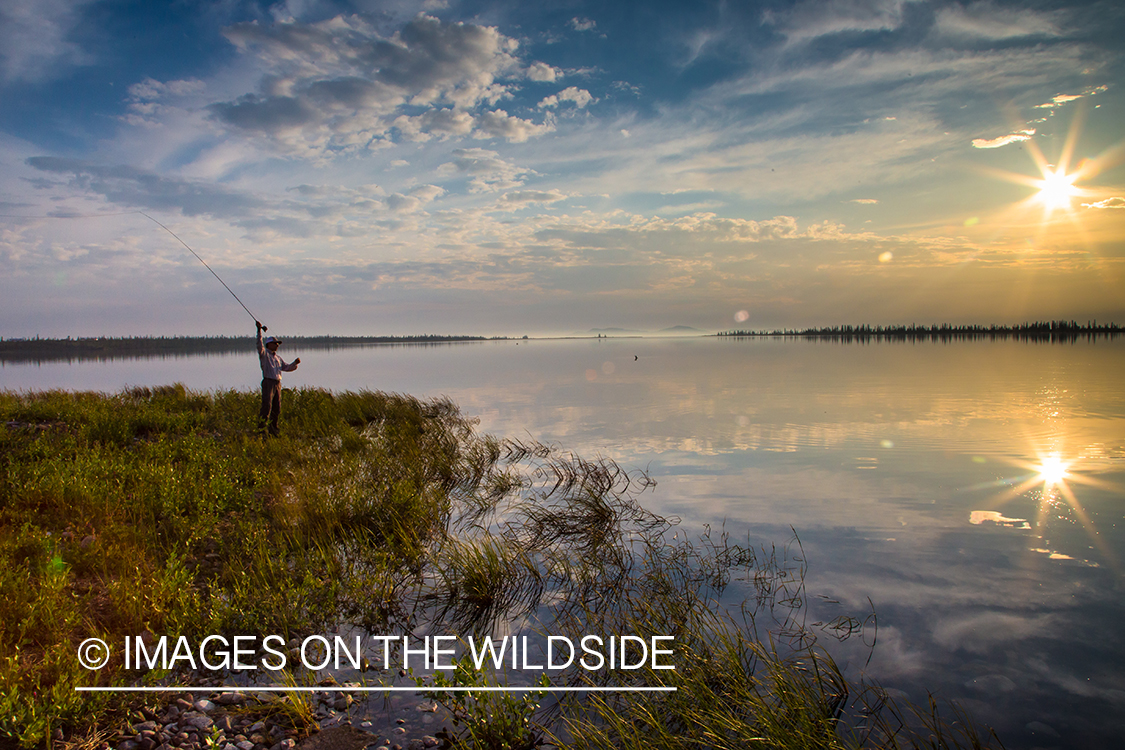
[(248, 721)]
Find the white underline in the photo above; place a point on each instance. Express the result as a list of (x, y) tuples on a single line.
[(341, 689)]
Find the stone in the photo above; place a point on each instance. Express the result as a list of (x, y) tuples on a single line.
[(199, 722), (244, 745), (344, 737), (229, 699), (257, 726), (224, 723), (430, 741), (415, 744), (143, 726), (204, 706), (127, 745)]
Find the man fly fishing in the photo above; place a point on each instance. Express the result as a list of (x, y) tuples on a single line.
[(272, 367)]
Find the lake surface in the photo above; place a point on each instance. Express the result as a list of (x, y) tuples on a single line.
[(972, 493)]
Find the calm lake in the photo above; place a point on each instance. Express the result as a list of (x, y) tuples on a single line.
[(972, 493)]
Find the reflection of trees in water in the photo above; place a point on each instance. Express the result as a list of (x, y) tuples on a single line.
[(1055, 330), (39, 350)]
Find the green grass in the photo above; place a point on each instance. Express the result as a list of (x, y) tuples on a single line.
[(162, 510)]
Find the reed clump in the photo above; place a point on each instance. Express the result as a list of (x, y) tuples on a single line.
[(162, 511)]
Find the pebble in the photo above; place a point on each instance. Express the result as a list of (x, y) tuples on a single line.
[(190, 722)]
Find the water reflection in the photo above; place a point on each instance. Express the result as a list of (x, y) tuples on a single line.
[(972, 491)]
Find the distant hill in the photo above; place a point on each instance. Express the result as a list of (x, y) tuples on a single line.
[(680, 329), (674, 330)]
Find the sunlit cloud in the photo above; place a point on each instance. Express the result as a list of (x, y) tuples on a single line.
[(1004, 140), (1115, 202), (579, 97)]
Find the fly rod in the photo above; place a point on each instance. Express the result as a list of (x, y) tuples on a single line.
[(166, 229), (212, 270)]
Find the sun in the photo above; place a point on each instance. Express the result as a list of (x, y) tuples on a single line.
[(1056, 189), (1052, 470)]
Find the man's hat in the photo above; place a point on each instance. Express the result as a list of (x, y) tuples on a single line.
[(271, 340)]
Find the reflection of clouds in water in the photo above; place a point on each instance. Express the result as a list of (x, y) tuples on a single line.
[(897, 655), (767, 435), (982, 632), (978, 517)]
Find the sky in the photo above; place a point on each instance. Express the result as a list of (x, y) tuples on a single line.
[(514, 168)]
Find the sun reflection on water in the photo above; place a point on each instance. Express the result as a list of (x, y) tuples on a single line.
[(1053, 474)]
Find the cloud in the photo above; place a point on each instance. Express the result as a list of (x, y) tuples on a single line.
[(132, 187), (1059, 100), (580, 98), (810, 19), (34, 43), (499, 124), (1114, 202), (865, 201), (582, 24), (146, 105), (542, 72), (339, 86), (525, 197), (444, 123), (984, 20), (489, 172), (1004, 140)]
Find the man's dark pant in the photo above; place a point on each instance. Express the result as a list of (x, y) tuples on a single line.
[(271, 405)]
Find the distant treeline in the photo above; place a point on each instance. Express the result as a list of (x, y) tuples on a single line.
[(102, 348), (1052, 330)]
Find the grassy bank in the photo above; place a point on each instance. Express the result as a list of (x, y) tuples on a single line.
[(162, 511)]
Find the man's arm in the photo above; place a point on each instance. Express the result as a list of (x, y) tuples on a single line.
[(261, 349), (291, 366)]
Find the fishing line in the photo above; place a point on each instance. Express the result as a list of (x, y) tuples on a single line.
[(166, 229), (212, 270)]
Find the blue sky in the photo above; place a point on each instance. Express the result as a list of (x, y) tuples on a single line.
[(501, 168)]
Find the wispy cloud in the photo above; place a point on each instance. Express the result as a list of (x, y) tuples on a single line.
[(809, 19), (988, 21), (35, 38), (1115, 202), (1004, 140)]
